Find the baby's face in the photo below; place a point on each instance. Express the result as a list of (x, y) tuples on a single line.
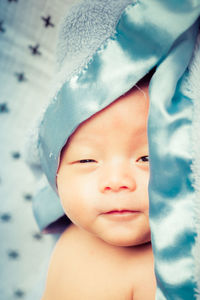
[(104, 171)]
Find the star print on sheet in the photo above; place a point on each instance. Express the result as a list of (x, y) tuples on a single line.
[(5, 217), (3, 108), (47, 21), (35, 50), (19, 293), (2, 29), (37, 236), (16, 155), (20, 77), (28, 197), (27, 56), (12, 254)]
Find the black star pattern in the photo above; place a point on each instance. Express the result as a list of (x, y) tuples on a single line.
[(2, 29), (16, 155), (28, 197), (47, 21), (5, 217), (19, 293), (21, 77), (37, 236), (12, 254), (35, 50), (3, 108)]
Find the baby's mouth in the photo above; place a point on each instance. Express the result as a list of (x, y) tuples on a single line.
[(123, 211), (121, 215)]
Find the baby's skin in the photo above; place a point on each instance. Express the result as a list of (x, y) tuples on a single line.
[(102, 180)]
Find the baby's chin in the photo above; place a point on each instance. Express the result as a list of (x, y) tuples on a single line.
[(127, 242)]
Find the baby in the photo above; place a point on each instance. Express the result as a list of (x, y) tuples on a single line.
[(102, 181)]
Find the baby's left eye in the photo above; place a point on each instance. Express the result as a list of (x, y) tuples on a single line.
[(143, 159)]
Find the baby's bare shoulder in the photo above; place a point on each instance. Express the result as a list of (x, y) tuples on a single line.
[(61, 266), (78, 267)]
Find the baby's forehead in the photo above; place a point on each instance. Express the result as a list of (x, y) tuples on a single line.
[(131, 108), (124, 118)]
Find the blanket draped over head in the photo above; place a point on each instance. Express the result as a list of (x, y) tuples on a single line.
[(104, 49)]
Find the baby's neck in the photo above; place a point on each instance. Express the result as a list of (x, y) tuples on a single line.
[(103, 246)]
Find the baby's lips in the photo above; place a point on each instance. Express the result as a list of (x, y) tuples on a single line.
[(123, 215), (121, 211)]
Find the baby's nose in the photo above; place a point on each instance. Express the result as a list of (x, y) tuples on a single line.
[(117, 179)]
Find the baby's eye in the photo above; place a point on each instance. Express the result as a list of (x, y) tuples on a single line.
[(84, 161), (143, 159)]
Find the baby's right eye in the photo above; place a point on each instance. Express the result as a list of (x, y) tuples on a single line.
[(83, 161)]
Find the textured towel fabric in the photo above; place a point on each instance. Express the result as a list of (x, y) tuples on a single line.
[(192, 88)]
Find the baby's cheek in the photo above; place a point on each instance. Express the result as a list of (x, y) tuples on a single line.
[(143, 182), (65, 182), (70, 206), (71, 200)]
